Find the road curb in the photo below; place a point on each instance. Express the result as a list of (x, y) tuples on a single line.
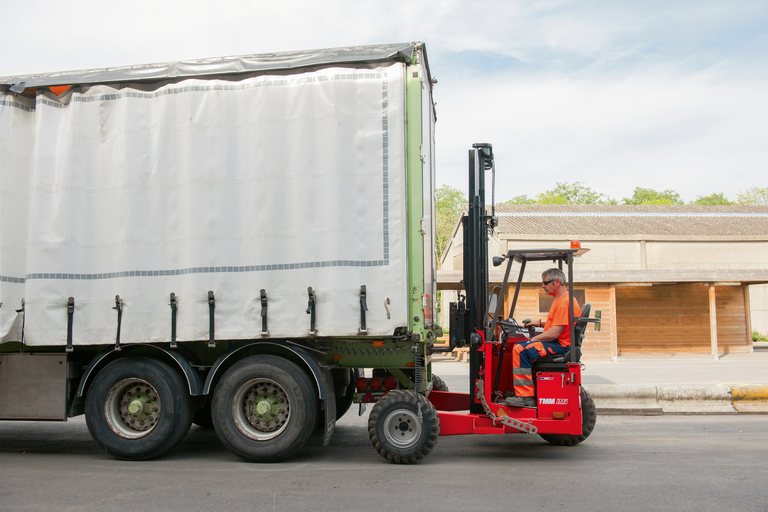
[(750, 398), (656, 400)]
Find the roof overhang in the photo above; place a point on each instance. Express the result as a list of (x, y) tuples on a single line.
[(449, 279)]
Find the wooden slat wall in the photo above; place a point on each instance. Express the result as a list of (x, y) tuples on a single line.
[(597, 345), (662, 319), (674, 318), (731, 320)]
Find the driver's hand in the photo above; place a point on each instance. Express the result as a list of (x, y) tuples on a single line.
[(527, 322)]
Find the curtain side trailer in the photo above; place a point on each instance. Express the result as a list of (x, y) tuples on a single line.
[(225, 241)]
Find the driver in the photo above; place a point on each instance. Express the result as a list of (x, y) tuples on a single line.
[(555, 339)]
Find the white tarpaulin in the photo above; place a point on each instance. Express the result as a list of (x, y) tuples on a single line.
[(277, 182)]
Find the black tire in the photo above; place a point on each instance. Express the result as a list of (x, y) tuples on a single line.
[(438, 384), (345, 394), (267, 431), (588, 420), (395, 431), (123, 402)]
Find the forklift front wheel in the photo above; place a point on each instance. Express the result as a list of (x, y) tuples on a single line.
[(403, 426)]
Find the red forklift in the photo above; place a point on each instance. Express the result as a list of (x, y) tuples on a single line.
[(404, 426), (565, 413)]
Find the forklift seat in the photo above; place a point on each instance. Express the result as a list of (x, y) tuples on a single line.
[(579, 331)]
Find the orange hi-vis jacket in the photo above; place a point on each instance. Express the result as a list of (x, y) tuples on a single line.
[(558, 315)]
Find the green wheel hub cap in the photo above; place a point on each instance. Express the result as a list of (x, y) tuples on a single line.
[(267, 407), (132, 408), (261, 409)]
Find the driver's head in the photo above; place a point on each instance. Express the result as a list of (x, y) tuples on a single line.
[(551, 279)]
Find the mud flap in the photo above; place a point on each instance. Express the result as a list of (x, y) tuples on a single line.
[(329, 406)]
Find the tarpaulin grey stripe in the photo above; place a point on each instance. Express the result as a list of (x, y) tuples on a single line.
[(207, 270), (9, 279), (16, 104), (385, 163)]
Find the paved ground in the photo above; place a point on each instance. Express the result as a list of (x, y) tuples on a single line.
[(685, 463)]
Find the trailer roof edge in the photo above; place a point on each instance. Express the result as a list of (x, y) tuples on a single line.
[(233, 65)]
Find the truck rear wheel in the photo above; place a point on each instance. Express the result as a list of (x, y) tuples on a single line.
[(397, 432), (264, 408), (138, 408), (588, 420)]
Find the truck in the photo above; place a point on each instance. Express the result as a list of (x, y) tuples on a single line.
[(230, 242)]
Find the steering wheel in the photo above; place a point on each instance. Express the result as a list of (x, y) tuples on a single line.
[(511, 326)]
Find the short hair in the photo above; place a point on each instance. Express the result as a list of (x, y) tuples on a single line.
[(552, 274)]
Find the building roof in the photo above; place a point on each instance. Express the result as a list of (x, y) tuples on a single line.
[(606, 222)]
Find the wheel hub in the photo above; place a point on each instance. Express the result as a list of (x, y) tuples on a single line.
[(132, 408), (402, 428), (261, 409)]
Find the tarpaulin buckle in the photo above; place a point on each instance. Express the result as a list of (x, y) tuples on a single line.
[(211, 307), (264, 330), (311, 311), (363, 309), (70, 321), (174, 307), (119, 308)]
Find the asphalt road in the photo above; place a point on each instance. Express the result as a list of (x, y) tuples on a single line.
[(696, 463)]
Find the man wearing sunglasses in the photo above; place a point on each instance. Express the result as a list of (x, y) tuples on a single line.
[(555, 339)]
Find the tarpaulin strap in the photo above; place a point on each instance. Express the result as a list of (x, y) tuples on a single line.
[(211, 307), (363, 309), (174, 308), (23, 319), (506, 420), (264, 330), (311, 311), (70, 320), (119, 308)]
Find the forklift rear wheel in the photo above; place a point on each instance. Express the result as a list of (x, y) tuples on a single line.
[(438, 384), (588, 420), (397, 432), (138, 408), (264, 408)]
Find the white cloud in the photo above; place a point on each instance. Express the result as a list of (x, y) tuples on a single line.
[(613, 93)]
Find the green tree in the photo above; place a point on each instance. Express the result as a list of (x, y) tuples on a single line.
[(572, 193), (713, 199), (448, 204), (523, 199), (650, 196), (754, 196)]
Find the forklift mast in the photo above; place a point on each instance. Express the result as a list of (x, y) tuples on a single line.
[(477, 225)]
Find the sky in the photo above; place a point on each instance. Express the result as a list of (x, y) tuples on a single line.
[(613, 94)]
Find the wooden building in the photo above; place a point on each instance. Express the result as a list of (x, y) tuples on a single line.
[(666, 279)]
